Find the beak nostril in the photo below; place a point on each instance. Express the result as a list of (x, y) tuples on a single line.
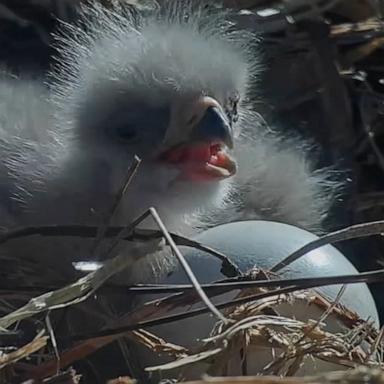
[(193, 120), (200, 108)]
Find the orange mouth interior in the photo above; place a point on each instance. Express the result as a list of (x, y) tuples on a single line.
[(201, 161)]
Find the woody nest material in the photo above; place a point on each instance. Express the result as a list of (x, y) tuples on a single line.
[(253, 320), (258, 339), (37, 347)]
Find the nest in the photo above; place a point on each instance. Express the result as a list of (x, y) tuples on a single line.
[(259, 328), (254, 319)]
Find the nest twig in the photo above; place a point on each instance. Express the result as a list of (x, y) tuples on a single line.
[(357, 41)]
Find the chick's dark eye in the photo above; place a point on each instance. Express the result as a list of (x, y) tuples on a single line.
[(126, 132)]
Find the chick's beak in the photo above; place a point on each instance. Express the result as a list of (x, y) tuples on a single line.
[(213, 125), (203, 153)]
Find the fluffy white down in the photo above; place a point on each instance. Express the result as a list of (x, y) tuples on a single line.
[(52, 172)]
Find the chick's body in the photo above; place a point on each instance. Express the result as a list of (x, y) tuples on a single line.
[(171, 88)]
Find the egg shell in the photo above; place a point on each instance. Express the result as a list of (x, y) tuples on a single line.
[(261, 244)]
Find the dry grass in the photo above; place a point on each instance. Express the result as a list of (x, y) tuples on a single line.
[(255, 319)]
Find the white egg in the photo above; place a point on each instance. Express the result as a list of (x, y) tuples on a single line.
[(260, 244)]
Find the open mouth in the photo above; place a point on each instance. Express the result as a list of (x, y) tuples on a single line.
[(201, 160)]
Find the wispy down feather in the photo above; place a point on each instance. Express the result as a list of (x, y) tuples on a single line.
[(60, 166)]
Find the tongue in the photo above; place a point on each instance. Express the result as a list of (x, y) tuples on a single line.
[(201, 161)]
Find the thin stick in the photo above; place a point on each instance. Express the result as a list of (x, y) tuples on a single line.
[(53, 340), (352, 232), (186, 267), (229, 267), (364, 277), (111, 213), (125, 232), (228, 285), (324, 316), (199, 311), (120, 233)]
